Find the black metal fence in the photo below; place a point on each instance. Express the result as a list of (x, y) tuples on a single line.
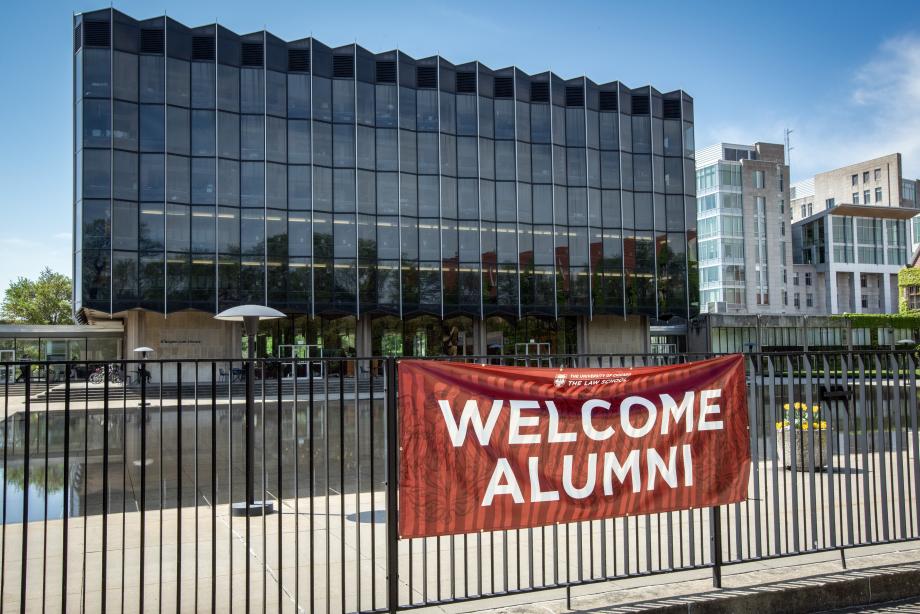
[(119, 485)]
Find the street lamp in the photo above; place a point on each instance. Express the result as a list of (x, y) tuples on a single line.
[(250, 315), (143, 351), (142, 372)]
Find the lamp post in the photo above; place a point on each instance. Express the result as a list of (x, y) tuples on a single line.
[(250, 315), (142, 375), (143, 351)]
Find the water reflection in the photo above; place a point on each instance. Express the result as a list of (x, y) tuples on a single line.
[(69, 458)]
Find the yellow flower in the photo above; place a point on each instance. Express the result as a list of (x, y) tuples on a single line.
[(804, 426), (785, 405)]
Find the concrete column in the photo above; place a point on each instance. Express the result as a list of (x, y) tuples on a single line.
[(479, 338), (887, 307), (581, 335), (831, 286), (363, 337), (857, 293)]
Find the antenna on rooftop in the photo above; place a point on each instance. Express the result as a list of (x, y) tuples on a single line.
[(789, 147)]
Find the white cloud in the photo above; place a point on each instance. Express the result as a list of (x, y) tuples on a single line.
[(875, 113), (880, 116)]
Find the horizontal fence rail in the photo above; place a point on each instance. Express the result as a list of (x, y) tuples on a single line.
[(125, 486)]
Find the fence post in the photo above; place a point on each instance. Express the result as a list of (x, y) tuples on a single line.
[(392, 492), (715, 540)]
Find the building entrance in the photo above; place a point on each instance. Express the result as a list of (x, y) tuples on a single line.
[(302, 352)]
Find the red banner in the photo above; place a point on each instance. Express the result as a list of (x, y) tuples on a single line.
[(489, 448)]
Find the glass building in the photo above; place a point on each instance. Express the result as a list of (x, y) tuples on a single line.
[(374, 195)]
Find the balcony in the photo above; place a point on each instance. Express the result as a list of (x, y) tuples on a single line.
[(879, 212)]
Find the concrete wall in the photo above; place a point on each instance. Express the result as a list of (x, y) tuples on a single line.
[(185, 335), (838, 183), (613, 335), (778, 226)]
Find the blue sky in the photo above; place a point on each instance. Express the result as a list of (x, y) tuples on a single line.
[(845, 76)]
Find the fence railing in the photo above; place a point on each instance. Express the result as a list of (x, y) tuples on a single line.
[(125, 494)]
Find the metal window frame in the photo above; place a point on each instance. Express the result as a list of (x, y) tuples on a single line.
[(265, 165), (517, 213), (399, 272), (440, 188), (584, 93), (552, 193), (482, 315), (216, 170)]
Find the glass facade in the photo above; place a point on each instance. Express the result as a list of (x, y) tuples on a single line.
[(214, 169), (720, 216)]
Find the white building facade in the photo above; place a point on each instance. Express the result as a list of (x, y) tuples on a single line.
[(851, 232), (744, 228)]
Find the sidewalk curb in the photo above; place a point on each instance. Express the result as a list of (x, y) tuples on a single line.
[(821, 593)]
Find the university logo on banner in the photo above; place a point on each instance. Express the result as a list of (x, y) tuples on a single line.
[(488, 448)]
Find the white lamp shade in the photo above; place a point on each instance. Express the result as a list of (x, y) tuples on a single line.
[(143, 349), (240, 313)]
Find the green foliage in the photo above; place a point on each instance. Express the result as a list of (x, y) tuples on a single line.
[(45, 300), (907, 276), (882, 320)]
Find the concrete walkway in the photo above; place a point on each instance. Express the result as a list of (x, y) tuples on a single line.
[(334, 559), (807, 583)]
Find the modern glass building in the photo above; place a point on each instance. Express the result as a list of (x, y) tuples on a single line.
[(388, 204)]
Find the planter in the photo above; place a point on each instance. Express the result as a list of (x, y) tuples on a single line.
[(802, 452)]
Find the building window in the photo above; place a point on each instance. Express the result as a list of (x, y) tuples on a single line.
[(863, 281), (854, 179), (796, 300), (912, 296), (803, 211), (758, 179), (878, 174), (865, 301), (855, 198), (706, 178), (865, 176), (809, 209), (866, 197), (878, 195), (843, 238), (782, 229), (829, 203), (809, 300), (807, 279), (782, 205), (869, 236), (896, 231), (785, 298), (795, 278)]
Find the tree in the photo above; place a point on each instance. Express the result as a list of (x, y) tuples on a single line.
[(43, 301)]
